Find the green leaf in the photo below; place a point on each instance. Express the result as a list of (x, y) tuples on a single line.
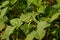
[(49, 11), (40, 28), (40, 34), (2, 20), (30, 36), (41, 9), (35, 2), (1, 23), (54, 32), (57, 6), (47, 19), (5, 3), (29, 2), (37, 35), (16, 22), (13, 1), (42, 24), (7, 32), (58, 1), (5, 18), (55, 16), (3, 12), (39, 3), (26, 17), (25, 28)]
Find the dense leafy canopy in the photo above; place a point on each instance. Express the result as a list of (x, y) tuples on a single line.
[(29, 19)]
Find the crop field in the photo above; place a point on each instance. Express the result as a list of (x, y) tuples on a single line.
[(29, 19)]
